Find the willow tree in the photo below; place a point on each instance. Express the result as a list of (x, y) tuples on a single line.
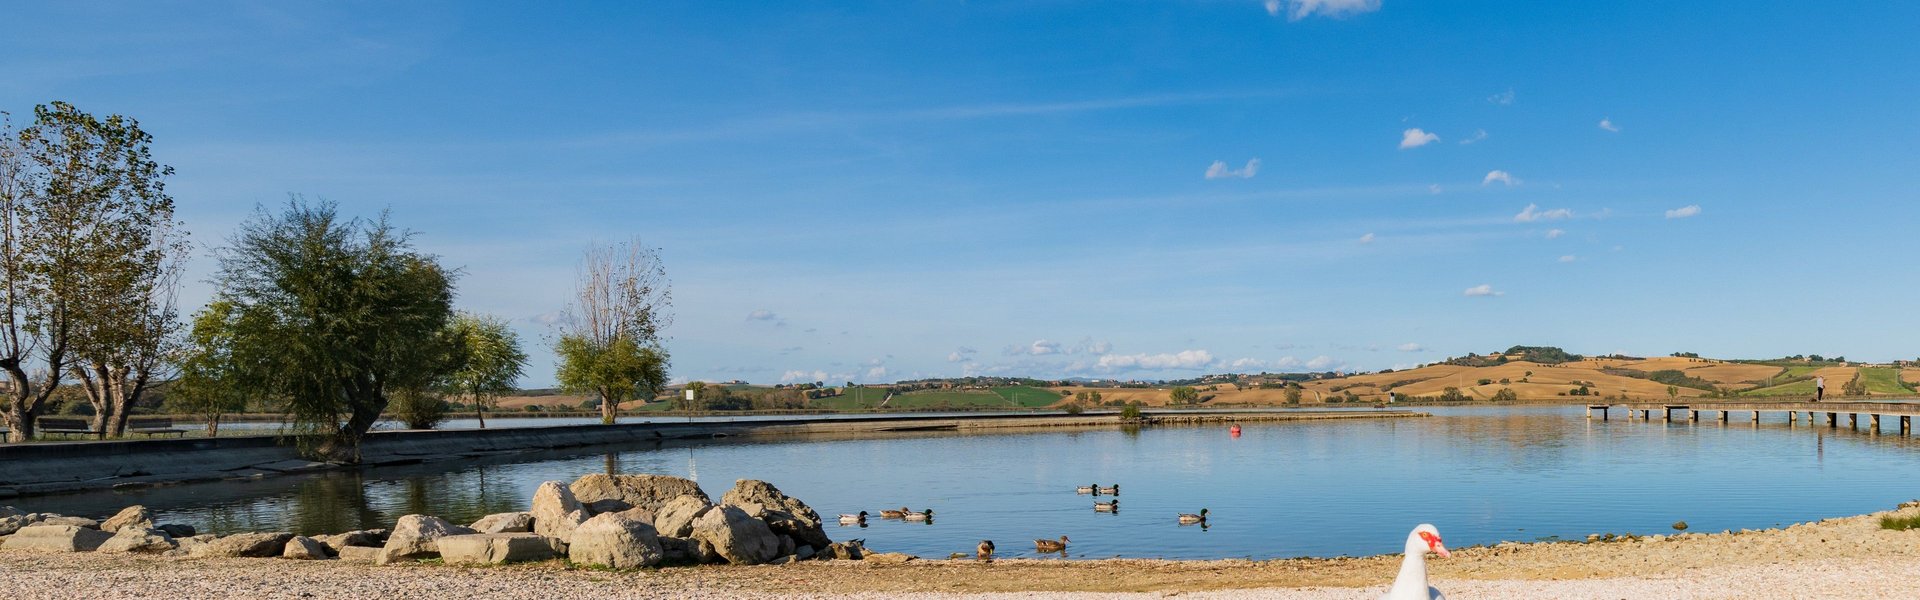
[(334, 314), (88, 247), (213, 382), (491, 361), (609, 341)]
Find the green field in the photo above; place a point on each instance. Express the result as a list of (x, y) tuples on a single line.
[(947, 399), (854, 398), (1797, 388), (1030, 397), (1883, 380)]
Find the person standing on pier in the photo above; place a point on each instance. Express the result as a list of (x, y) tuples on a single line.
[(1819, 388)]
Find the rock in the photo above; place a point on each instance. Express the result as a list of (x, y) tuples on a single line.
[(796, 519), (53, 519), (366, 538), (1679, 525), (178, 531), (616, 541), (185, 545), (556, 512), (787, 546), (889, 558), (496, 548), (638, 514), (740, 539), (133, 516), (685, 551), (675, 518), (844, 551), (805, 552), (614, 493), (251, 545), (413, 537), (12, 523), (56, 538), (304, 548), (145, 541), (359, 554), (8, 511), (515, 522)]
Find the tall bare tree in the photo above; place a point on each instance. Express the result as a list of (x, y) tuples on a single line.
[(609, 336), (86, 226)]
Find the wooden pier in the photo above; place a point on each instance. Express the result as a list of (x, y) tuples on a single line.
[(1814, 411)]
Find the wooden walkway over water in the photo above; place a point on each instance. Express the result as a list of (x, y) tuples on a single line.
[(1813, 410)]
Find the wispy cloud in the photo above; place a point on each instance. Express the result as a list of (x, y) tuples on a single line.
[(766, 316), (1184, 359), (1037, 348), (1533, 213), (1482, 291), (1684, 211), (1555, 233), (1366, 239), (1434, 188), (1503, 98), (1322, 363), (1568, 258), (1338, 9), (1478, 134), (961, 354), (1500, 176), (1410, 347), (1608, 125), (1220, 170), (1415, 138)]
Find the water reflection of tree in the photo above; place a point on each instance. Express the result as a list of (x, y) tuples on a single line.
[(333, 503)]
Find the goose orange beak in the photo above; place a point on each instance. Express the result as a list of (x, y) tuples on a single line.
[(1435, 545)]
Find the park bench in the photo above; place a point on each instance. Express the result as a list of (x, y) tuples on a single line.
[(152, 426), (64, 426)]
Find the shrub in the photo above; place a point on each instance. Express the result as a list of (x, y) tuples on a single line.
[(1452, 395), (1293, 395), (1486, 381), (419, 410), (1505, 395), (1130, 412), (1504, 381), (1074, 408), (1900, 522)]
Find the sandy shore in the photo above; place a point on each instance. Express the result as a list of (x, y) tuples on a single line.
[(1840, 558)]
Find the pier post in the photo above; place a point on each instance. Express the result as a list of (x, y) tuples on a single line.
[(1833, 420), (1756, 416), (1853, 421), (1693, 415), (1874, 423), (1793, 417), (1906, 425), (1723, 416)]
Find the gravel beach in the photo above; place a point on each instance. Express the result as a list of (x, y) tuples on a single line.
[(1840, 558)]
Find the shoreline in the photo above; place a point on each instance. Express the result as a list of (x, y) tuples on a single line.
[(50, 468), (1847, 557)]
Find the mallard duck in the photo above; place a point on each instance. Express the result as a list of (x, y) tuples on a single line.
[(1108, 506), (1086, 489), (985, 549), (1190, 518), (859, 518), (918, 516), (1051, 545), (895, 514), (1112, 490)]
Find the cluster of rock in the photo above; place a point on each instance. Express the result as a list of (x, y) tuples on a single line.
[(616, 521)]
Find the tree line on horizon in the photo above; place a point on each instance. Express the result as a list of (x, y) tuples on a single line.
[(336, 321)]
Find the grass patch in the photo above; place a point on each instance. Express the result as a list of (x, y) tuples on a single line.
[(1797, 388), (1900, 523), (947, 399), (1028, 396), (853, 398), (1883, 380)]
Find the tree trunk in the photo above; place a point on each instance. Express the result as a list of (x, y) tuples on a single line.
[(609, 408), (23, 405), (95, 381), (213, 426), (367, 402), (123, 404), (480, 412)]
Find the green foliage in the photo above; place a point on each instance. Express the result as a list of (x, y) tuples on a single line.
[(1026, 396), (1543, 354), (491, 360), (1183, 395), (335, 314), (1130, 411), (1900, 522), (211, 383), (616, 370), (1073, 408), (1452, 394), (1855, 386), (1293, 395), (1505, 395), (1485, 382), (419, 408)]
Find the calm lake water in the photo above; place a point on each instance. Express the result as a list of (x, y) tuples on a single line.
[(1483, 475)]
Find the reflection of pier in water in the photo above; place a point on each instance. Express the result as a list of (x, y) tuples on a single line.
[(1873, 410)]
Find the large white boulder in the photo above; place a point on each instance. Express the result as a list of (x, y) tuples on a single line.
[(556, 512), (252, 545), (740, 539), (414, 536), (145, 541), (56, 538), (496, 548), (514, 522), (617, 493), (675, 518), (304, 548), (616, 541), (135, 516)]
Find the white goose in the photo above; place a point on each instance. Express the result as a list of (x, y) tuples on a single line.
[(1412, 582)]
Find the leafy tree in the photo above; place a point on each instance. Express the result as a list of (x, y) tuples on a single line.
[(1094, 397), (1183, 395), (492, 361), (1673, 392), (338, 313), (212, 383), (609, 341), (1293, 395), (1505, 395), (1452, 394), (1855, 386)]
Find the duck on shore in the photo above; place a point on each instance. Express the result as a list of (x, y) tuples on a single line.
[(1051, 545), (985, 551), (1191, 518), (1411, 584), (1110, 506), (924, 515)]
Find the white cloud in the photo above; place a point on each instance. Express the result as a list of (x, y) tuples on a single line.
[(798, 375), (762, 315), (876, 374), (1338, 9), (1482, 291), (1095, 348), (1503, 98), (1321, 363), (1037, 348), (1608, 125), (1184, 359), (1684, 211), (1500, 176), (1219, 170), (1568, 258), (1533, 213), (1415, 138), (1410, 347), (1555, 233), (1433, 188), (1366, 239), (1478, 134)]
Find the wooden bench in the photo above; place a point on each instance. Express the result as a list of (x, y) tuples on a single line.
[(64, 426), (152, 426)]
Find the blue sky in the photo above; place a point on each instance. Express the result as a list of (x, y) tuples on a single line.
[(884, 190)]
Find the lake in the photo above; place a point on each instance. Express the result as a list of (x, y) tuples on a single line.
[(1483, 475)]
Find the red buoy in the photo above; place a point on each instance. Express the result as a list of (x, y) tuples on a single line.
[(1235, 431)]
